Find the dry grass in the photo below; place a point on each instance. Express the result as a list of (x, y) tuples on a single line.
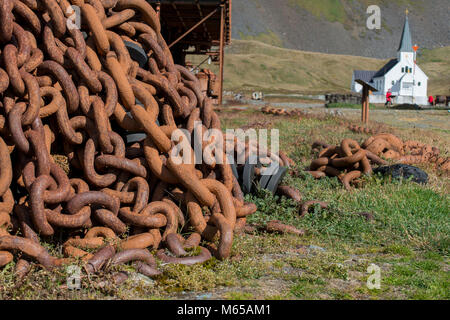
[(252, 65)]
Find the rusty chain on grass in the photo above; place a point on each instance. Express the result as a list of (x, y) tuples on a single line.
[(77, 93)]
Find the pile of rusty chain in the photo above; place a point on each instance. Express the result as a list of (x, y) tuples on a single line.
[(77, 94), (360, 129), (282, 112), (409, 152), (348, 161)]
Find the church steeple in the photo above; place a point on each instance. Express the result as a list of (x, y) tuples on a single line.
[(406, 42)]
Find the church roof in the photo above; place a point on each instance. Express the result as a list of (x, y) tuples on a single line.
[(365, 75), (386, 68), (406, 41)]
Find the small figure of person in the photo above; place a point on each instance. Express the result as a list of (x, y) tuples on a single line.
[(431, 100), (388, 98)]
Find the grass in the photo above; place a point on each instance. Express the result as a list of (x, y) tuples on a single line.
[(436, 65), (335, 10), (408, 239), (268, 37), (410, 230), (331, 10), (255, 66), (351, 106)]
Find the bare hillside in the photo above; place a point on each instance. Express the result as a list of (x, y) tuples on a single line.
[(339, 26)]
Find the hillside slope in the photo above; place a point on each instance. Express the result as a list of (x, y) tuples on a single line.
[(339, 26), (253, 65)]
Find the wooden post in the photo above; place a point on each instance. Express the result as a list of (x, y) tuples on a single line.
[(221, 51), (365, 105), (367, 90)]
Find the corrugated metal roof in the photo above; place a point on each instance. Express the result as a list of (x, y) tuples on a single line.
[(364, 75), (406, 41), (386, 68)]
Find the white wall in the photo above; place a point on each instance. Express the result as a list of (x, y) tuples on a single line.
[(398, 80), (406, 57), (356, 87), (423, 101), (420, 76), (395, 80)]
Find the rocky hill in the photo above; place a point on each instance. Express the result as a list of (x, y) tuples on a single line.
[(339, 26)]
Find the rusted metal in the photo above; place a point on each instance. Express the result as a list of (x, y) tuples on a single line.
[(194, 27), (221, 52), (278, 227), (350, 161), (282, 112), (79, 93)]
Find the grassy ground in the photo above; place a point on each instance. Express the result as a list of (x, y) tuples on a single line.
[(335, 10), (408, 239), (254, 66), (351, 106), (331, 10)]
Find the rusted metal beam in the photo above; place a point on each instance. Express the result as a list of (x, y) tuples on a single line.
[(200, 64), (194, 27), (200, 11), (158, 10), (200, 52), (221, 52), (174, 6)]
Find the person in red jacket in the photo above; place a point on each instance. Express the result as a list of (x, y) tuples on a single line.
[(388, 98), (431, 100)]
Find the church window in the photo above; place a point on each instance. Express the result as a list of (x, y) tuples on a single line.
[(407, 85), (419, 84), (403, 70)]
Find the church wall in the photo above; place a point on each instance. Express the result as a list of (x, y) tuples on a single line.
[(395, 80), (399, 100)]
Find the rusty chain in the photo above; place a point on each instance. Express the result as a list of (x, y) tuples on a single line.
[(69, 97)]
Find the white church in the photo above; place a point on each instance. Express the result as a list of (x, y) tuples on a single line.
[(407, 82)]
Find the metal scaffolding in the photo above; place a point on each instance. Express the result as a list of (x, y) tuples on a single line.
[(196, 27)]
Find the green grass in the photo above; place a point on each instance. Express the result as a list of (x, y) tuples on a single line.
[(436, 65), (435, 55), (405, 213), (335, 10), (411, 226), (331, 10), (268, 37), (408, 239), (351, 106)]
